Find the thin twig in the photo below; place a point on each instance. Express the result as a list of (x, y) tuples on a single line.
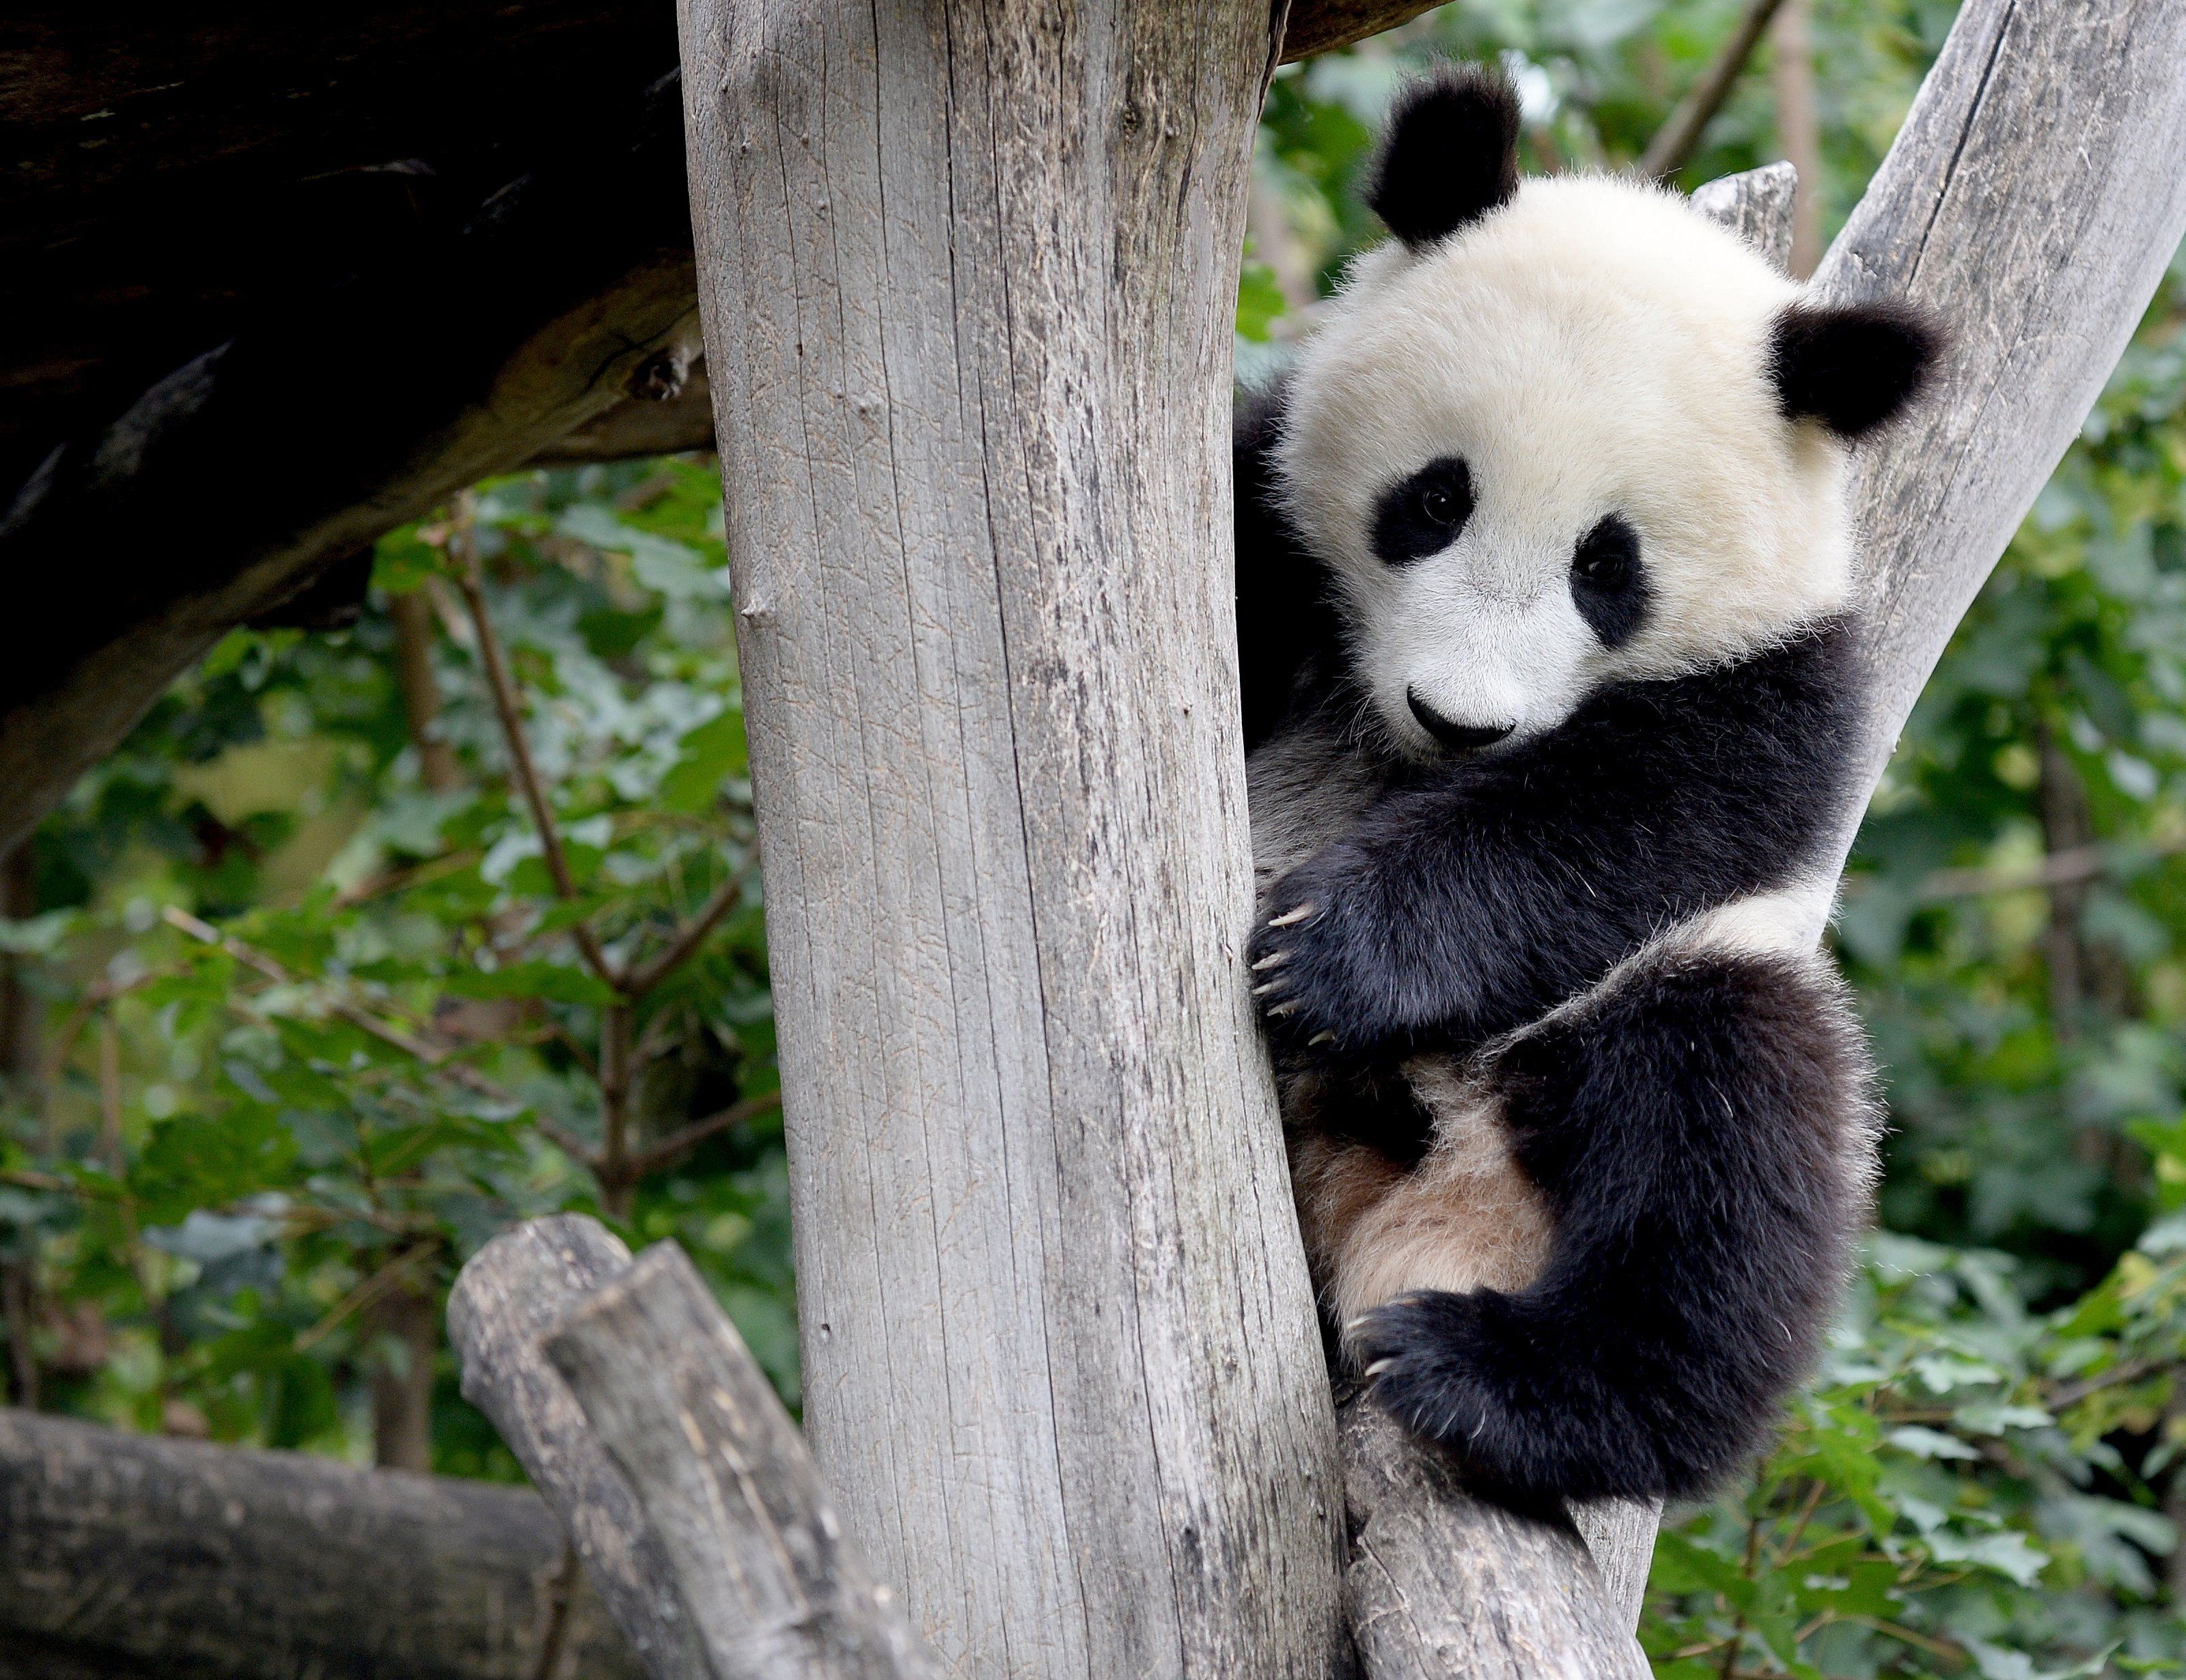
[(662, 1154), (400, 880), (2124, 1371), (1677, 140), (616, 1079), (561, 1592), (2066, 868), (523, 771), (438, 1057), (381, 1283), (685, 942)]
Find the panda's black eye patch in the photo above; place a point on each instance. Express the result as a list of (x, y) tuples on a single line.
[(1422, 515), (1608, 584)]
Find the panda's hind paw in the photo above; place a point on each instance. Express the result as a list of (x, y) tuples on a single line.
[(1462, 1371)]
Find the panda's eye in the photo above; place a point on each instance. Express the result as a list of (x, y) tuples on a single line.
[(1609, 585), (1422, 515)]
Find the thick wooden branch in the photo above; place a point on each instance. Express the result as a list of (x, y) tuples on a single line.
[(512, 1293), (208, 500), (775, 1588), (2031, 199), (1321, 26), (128, 1557)]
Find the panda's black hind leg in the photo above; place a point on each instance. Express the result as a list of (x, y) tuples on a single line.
[(1700, 1126)]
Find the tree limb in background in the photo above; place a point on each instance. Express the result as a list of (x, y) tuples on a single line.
[(1677, 140), (1799, 128), (508, 708), (253, 1566)]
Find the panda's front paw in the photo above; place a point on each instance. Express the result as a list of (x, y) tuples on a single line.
[(1321, 961)]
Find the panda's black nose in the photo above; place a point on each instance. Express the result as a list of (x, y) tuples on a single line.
[(1457, 737)]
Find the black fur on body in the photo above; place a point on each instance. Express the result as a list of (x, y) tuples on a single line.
[(1698, 1120)]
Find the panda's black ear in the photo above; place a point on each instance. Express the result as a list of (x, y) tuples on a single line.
[(1852, 366), (1448, 155)]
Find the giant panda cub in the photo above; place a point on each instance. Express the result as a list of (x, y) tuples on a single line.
[(1551, 690)]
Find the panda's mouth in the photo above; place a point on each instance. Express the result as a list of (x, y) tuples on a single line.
[(1452, 734)]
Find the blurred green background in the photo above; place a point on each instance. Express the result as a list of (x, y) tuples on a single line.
[(295, 1012)]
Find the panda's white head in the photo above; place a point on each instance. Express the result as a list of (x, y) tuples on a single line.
[(1569, 432)]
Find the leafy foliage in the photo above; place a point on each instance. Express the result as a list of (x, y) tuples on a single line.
[(319, 1020)]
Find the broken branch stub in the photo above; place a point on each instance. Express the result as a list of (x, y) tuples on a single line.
[(776, 1588)]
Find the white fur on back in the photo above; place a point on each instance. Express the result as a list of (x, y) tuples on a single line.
[(1595, 346)]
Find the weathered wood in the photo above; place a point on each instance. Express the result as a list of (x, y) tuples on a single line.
[(776, 1590), (636, 426), (128, 1556), (2032, 199), (1756, 205), (510, 1294), (1442, 1586), (1321, 25), (968, 277)]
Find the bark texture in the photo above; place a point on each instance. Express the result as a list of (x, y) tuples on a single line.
[(1442, 1585), (128, 1557), (2031, 199), (512, 1293), (775, 1589), (968, 274)]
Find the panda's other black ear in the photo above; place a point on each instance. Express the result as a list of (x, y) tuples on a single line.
[(1852, 366), (1448, 155)]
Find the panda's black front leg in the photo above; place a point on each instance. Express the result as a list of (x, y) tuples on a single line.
[(1338, 960), (1395, 935)]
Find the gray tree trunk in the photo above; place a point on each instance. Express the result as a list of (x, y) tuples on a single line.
[(967, 273)]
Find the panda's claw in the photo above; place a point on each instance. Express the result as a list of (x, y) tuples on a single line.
[(1262, 990), (1291, 918), (1325, 1037), (1273, 959), (1283, 1008)]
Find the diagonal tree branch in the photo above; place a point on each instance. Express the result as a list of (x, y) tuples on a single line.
[(1678, 139)]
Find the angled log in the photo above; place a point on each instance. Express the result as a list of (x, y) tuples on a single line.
[(2032, 199), (129, 1557), (776, 1588), (510, 1294)]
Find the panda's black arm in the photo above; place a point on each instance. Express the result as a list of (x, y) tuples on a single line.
[(1464, 904), (1285, 626)]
